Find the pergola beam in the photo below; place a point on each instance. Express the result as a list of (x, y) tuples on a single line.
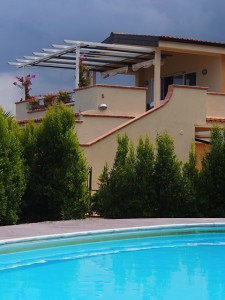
[(97, 54), (113, 46), (111, 59), (114, 72)]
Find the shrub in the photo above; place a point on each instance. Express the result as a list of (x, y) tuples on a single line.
[(12, 178), (212, 177), (145, 190), (59, 172), (167, 178)]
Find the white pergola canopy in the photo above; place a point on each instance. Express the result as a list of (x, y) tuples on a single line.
[(108, 59), (99, 57)]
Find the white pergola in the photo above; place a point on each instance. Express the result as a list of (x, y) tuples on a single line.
[(108, 59)]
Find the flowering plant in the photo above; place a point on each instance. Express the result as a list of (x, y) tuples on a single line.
[(84, 73), (25, 83)]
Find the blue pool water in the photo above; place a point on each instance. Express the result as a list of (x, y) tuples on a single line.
[(172, 263)]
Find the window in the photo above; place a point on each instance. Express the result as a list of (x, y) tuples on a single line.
[(190, 79), (180, 79)]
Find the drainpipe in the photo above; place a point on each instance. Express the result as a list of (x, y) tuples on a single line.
[(157, 77), (77, 66)]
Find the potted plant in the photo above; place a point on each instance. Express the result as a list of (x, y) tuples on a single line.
[(63, 96), (33, 103), (84, 73), (49, 99)]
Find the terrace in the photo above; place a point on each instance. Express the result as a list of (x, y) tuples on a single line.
[(179, 87)]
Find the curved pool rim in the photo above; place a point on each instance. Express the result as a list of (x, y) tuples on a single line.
[(31, 267), (116, 234)]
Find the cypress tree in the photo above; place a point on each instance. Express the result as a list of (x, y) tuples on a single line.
[(28, 139), (144, 190), (212, 177), (60, 171), (100, 200), (130, 205), (116, 195), (117, 183), (167, 178), (12, 178), (191, 183)]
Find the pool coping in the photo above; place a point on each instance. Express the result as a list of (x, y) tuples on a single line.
[(89, 233)]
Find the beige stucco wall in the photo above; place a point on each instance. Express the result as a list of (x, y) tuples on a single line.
[(179, 63), (201, 149), (22, 113), (120, 100), (93, 127), (178, 116), (215, 105), (222, 82)]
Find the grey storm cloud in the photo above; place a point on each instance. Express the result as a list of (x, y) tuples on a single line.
[(27, 26)]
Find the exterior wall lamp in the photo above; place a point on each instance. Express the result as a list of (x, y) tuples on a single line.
[(102, 106)]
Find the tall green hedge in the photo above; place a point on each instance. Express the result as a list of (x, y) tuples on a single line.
[(144, 182), (12, 171), (57, 169), (212, 177)]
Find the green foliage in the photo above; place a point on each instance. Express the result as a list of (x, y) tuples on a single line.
[(7, 114), (117, 189), (144, 184), (12, 178), (28, 138), (167, 178), (125, 192), (212, 177), (59, 170), (101, 199), (144, 190), (126, 189), (191, 183)]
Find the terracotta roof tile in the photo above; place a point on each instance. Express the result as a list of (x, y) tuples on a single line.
[(213, 119)]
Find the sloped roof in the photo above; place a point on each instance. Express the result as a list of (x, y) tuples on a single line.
[(153, 40)]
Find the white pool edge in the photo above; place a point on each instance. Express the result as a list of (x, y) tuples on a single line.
[(106, 231)]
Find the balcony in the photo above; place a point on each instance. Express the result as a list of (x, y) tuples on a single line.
[(108, 100), (35, 107)]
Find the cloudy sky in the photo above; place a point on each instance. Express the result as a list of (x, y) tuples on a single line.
[(29, 25)]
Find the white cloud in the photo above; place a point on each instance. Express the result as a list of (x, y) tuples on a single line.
[(9, 93)]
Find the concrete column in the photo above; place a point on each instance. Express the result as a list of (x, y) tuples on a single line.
[(24, 78), (157, 77), (77, 67), (93, 78)]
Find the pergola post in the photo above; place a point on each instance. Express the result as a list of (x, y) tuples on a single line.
[(157, 77), (77, 67), (93, 78), (24, 88)]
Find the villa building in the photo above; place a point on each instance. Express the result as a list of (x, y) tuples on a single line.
[(179, 87)]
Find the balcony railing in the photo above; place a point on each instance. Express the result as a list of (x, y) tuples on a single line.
[(43, 102)]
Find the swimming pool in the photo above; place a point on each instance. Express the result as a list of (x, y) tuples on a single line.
[(164, 262)]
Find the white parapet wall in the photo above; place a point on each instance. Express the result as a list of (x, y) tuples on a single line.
[(215, 105), (111, 100), (178, 116)]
